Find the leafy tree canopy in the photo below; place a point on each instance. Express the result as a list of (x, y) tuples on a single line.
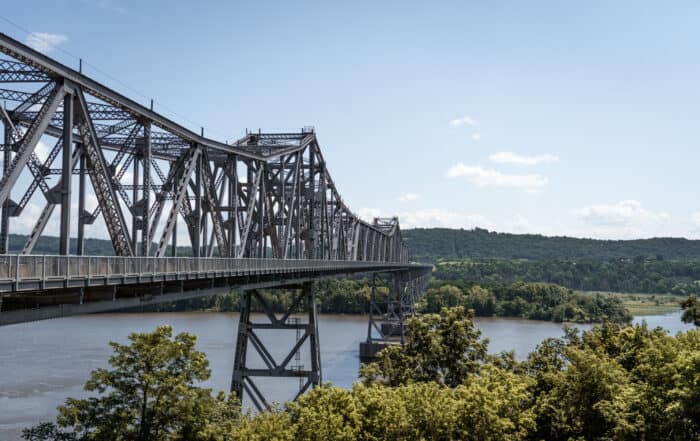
[(149, 393)]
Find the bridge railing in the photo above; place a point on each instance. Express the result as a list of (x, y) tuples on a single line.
[(27, 267)]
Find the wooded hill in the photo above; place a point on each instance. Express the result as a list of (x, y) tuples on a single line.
[(431, 244)]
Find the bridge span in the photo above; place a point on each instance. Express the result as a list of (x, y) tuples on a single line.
[(260, 212)]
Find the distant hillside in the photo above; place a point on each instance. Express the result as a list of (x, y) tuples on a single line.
[(430, 244)]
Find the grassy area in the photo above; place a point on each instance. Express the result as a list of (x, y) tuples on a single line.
[(645, 304)]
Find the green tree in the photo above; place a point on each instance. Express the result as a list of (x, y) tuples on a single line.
[(149, 394), (444, 348), (691, 311)]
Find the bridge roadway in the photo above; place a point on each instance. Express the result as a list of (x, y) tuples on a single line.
[(41, 287)]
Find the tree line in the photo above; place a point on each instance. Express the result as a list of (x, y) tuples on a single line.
[(536, 301), (639, 275)]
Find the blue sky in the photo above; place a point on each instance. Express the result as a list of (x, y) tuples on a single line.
[(543, 117)]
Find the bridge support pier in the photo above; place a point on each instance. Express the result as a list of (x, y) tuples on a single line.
[(388, 314), (243, 374)]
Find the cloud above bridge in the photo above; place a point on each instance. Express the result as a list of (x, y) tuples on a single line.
[(409, 197), (45, 42), (514, 158), (485, 177), (463, 121)]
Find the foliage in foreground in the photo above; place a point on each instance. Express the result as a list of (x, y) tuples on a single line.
[(611, 383), (691, 311), (149, 394)]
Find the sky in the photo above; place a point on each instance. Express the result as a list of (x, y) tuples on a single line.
[(549, 117)]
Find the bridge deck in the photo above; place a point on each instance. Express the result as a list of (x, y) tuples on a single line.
[(32, 273), (41, 287)]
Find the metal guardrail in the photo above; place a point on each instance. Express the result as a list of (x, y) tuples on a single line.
[(19, 268)]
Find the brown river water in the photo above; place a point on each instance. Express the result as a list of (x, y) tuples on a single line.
[(43, 363)]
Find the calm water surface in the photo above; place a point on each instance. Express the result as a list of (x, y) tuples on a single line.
[(43, 363)]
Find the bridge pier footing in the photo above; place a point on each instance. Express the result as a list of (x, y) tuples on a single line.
[(244, 375)]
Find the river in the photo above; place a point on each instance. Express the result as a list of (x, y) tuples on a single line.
[(43, 363)]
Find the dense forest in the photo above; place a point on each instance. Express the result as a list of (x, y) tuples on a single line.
[(430, 244), (611, 383), (636, 275)]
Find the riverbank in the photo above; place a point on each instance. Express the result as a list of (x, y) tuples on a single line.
[(535, 301), (642, 304)]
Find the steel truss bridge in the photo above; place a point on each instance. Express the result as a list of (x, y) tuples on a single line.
[(260, 213)]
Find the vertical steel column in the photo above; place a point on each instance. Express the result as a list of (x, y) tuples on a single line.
[(374, 308), (81, 205), (262, 194), (135, 204), (239, 362), (232, 205), (314, 345), (146, 195), (311, 198), (196, 249), (66, 174), (173, 247), (5, 221), (298, 206), (398, 287)]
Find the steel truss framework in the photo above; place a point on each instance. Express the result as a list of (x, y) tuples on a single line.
[(266, 195)]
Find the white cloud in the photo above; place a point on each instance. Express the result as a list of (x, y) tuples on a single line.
[(519, 225), (441, 218), (42, 150), (476, 136), (493, 178), (409, 197), (625, 219), (695, 217), (109, 5), (45, 42), (514, 158), (436, 217), (429, 218), (463, 121), (622, 213), (368, 214)]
